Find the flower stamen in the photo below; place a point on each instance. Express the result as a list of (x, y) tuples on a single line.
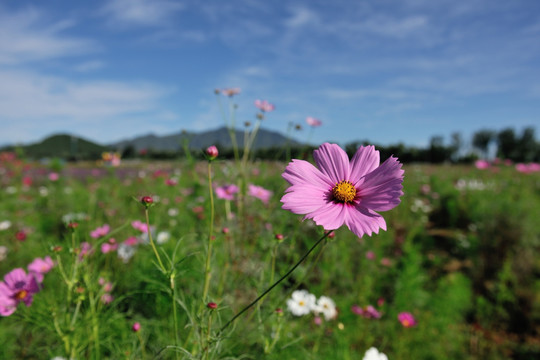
[(344, 191)]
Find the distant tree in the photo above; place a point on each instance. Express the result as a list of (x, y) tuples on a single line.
[(507, 144), (456, 145), (482, 139), (437, 150), (527, 145)]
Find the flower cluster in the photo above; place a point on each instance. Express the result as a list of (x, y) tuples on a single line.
[(19, 286), (302, 303)]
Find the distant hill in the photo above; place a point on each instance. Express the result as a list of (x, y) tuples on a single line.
[(74, 147), (220, 137), (63, 146)]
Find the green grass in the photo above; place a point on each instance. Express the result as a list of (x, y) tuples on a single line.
[(465, 265)]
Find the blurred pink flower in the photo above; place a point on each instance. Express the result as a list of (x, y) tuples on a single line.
[(346, 192), (406, 319), (226, 192), (230, 91), (264, 105), (139, 225), (368, 312), (527, 168), (17, 287), (39, 267), (86, 249), (107, 298), (313, 122), (100, 231), (136, 327), (109, 246), (370, 255), (481, 164), (54, 176), (259, 192), (131, 241), (212, 152)]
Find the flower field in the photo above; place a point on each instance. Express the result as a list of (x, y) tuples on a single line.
[(213, 260)]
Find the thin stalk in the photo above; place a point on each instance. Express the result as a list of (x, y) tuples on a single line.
[(276, 283), (175, 315), (207, 267), (162, 268)]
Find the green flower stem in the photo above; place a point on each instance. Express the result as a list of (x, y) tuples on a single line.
[(162, 268), (207, 267), (276, 283), (143, 352)]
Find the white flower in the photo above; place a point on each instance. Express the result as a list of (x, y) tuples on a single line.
[(301, 302), (173, 212), (374, 354), (162, 237), (3, 252), (4, 225), (327, 307), (125, 252)]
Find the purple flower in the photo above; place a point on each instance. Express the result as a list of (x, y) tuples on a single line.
[(39, 267), (100, 231), (406, 319), (339, 191), (264, 105), (17, 287), (259, 192), (226, 192)]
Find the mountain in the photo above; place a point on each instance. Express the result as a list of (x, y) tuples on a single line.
[(63, 146), (70, 146), (219, 137)]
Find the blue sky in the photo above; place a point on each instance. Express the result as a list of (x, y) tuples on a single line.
[(385, 71)]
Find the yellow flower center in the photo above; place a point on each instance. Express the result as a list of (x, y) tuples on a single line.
[(21, 295), (344, 191)]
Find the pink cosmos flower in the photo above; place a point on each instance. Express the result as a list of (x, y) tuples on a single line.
[(86, 249), (313, 122), (339, 191), (39, 267), (109, 246), (53, 176), (131, 241), (17, 287), (406, 319), (264, 105), (139, 225), (100, 231), (259, 192), (481, 164), (226, 192), (230, 91)]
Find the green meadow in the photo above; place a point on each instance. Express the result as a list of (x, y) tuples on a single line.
[(460, 254)]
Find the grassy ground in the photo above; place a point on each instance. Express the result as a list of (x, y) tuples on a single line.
[(460, 255)]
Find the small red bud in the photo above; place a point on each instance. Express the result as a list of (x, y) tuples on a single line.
[(279, 237), (136, 327), (211, 305), (225, 230), (147, 200)]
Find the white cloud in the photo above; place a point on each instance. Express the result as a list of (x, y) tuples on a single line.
[(141, 12), (28, 99), (88, 66), (24, 36)]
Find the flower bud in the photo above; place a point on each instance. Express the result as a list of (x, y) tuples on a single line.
[(136, 327), (211, 305), (212, 152), (147, 201)]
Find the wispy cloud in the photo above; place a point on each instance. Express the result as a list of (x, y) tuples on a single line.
[(154, 13), (26, 36)]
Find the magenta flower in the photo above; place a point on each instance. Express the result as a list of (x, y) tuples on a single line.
[(313, 122), (39, 267), (139, 225), (17, 287), (226, 192), (406, 319), (339, 191), (211, 152), (264, 105), (230, 91), (481, 164), (100, 231), (259, 192)]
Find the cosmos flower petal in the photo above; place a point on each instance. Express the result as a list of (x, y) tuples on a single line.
[(364, 221), (381, 189), (303, 199), (330, 216), (333, 162), (15, 277), (301, 172), (365, 160)]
